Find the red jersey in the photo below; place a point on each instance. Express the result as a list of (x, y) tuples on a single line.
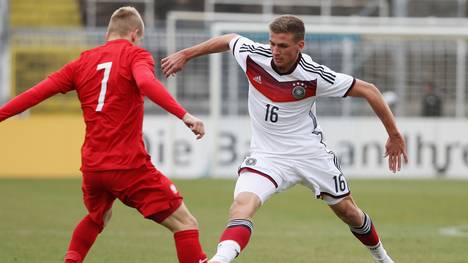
[(111, 81)]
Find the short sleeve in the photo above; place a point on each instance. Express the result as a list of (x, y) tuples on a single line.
[(329, 82), (64, 78), (242, 47)]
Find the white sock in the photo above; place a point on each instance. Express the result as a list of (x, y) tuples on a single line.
[(227, 251), (378, 251)]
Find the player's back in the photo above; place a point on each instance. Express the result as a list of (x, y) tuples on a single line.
[(112, 107)]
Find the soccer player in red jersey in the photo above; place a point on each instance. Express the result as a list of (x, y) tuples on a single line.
[(111, 81)]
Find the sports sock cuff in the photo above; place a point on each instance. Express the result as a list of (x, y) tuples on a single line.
[(72, 256), (238, 230), (365, 228), (241, 222)]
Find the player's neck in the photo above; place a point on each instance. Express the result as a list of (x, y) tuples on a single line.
[(283, 69), (114, 37), (286, 69)]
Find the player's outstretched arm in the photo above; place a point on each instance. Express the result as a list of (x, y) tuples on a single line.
[(395, 146), (157, 93), (176, 62), (40, 92), (151, 87)]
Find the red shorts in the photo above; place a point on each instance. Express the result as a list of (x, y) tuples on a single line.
[(145, 189)]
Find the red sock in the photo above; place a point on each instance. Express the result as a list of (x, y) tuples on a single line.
[(239, 234), (188, 247), (238, 230), (366, 233), (83, 238)]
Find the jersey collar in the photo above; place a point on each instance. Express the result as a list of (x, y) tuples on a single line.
[(273, 66)]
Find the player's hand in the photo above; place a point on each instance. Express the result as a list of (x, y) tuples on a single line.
[(395, 148), (195, 124), (173, 63)]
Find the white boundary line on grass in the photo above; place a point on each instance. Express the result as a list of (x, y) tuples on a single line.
[(454, 231)]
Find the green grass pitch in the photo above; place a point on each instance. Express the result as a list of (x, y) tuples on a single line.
[(37, 218)]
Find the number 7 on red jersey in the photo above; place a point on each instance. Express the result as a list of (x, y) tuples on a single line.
[(102, 95)]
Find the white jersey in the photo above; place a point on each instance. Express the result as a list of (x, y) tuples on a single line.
[(282, 105)]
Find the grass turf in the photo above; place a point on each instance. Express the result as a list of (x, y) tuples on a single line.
[(37, 217)]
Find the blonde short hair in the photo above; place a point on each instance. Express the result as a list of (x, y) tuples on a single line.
[(124, 20)]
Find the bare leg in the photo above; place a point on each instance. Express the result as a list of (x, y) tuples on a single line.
[(237, 234), (180, 220), (244, 206), (348, 212), (362, 227), (185, 228)]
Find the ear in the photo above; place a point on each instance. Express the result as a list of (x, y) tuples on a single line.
[(134, 35), (107, 35), (301, 44)]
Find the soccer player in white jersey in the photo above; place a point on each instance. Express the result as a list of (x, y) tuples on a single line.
[(287, 143)]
